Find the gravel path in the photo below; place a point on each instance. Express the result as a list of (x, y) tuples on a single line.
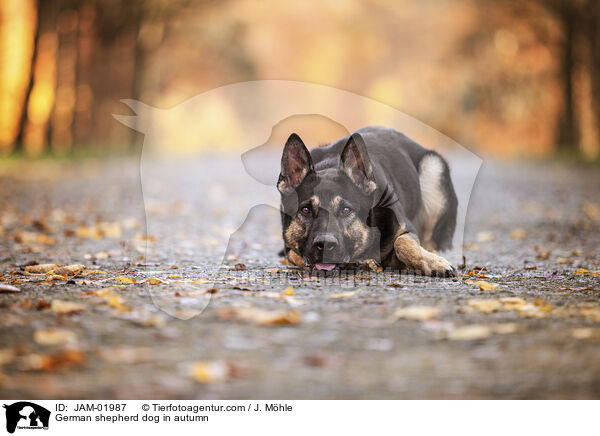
[(268, 330)]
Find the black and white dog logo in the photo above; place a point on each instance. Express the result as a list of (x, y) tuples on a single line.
[(26, 415)]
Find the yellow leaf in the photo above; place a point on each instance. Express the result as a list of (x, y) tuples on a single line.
[(210, 371), (373, 266), (505, 328), (54, 336), (581, 271), (153, 281), (66, 307), (582, 333), (289, 291), (485, 306), (417, 313), (485, 237), (69, 270), (42, 268), (470, 332), (519, 233), (126, 280), (260, 316), (483, 285)]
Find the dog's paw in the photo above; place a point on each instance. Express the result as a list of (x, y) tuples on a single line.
[(437, 266)]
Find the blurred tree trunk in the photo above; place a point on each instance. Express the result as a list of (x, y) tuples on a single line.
[(45, 10), (593, 14), (567, 135)]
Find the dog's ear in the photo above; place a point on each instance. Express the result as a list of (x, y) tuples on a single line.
[(356, 164), (296, 163)]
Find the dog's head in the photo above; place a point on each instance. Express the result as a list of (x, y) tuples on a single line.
[(327, 212)]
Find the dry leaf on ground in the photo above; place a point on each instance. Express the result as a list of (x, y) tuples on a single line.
[(373, 265), (54, 336), (483, 285), (68, 270), (259, 316), (212, 371), (126, 280), (582, 333), (66, 307), (417, 313), (485, 306), (485, 237), (519, 233), (127, 355), (346, 294), (470, 332), (42, 268), (8, 288)]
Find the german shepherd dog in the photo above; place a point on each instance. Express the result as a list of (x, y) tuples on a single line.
[(374, 194)]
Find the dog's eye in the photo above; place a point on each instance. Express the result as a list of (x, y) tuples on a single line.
[(346, 211), (305, 210)]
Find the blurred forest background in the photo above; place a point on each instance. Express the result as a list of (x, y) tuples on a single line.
[(503, 77)]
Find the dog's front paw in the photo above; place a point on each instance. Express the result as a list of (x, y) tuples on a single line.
[(437, 266)]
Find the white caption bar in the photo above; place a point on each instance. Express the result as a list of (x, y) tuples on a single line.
[(250, 417)]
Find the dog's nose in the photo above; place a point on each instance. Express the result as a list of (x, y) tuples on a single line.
[(326, 242)]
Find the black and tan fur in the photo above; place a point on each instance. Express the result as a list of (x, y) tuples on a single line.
[(374, 194)]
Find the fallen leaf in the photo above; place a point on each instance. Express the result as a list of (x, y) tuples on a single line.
[(210, 371), (127, 355), (543, 255), (111, 298), (240, 267), (591, 211), (592, 312), (519, 233), (505, 328), (289, 291), (346, 294), (564, 261), (7, 355), (259, 316), (483, 285), (485, 306), (61, 359), (581, 271), (153, 281), (126, 280), (66, 307), (470, 332), (8, 288), (69, 270), (470, 247), (417, 313), (485, 237), (88, 272), (146, 319), (54, 336), (582, 333), (42, 268), (373, 265)]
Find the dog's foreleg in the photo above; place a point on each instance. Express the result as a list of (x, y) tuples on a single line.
[(296, 259), (408, 250)]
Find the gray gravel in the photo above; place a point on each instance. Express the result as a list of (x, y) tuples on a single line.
[(345, 346)]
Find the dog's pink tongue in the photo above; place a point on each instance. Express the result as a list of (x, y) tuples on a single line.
[(325, 266)]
